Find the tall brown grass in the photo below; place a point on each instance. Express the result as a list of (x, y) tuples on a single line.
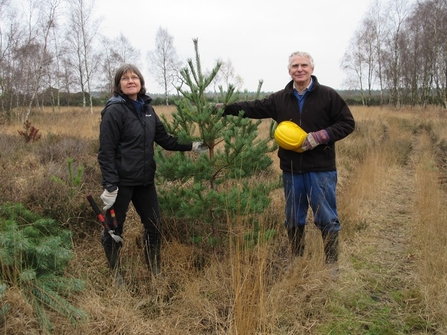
[(392, 265), (430, 217)]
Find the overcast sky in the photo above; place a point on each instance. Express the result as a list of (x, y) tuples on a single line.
[(257, 36)]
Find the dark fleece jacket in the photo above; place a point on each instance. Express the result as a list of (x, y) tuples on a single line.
[(323, 109)]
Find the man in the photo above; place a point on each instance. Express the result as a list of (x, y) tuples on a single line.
[(309, 174)]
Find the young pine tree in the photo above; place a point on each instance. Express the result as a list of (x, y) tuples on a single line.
[(34, 253), (216, 186)]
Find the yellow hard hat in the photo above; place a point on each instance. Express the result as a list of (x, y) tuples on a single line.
[(290, 136)]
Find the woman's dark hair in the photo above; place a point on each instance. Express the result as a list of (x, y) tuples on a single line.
[(122, 71)]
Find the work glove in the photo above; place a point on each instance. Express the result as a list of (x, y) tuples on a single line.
[(108, 198), (314, 139), (219, 105), (199, 147)]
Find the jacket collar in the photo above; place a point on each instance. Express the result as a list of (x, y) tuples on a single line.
[(119, 99), (289, 86)]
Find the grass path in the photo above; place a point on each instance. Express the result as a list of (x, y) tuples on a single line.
[(376, 292)]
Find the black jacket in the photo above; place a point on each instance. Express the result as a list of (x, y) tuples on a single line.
[(323, 109), (126, 152)]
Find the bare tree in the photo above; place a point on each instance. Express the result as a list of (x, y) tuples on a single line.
[(397, 51), (398, 12), (56, 71), (353, 63), (163, 62), (47, 22), (416, 61), (438, 11), (376, 22), (368, 45), (366, 54), (23, 63), (81, 34), (11, 37), (3, 6), (422, 26), (226, 75), (24, 52), (115, 54)]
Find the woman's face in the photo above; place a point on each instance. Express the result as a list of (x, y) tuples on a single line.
[(130, 84)]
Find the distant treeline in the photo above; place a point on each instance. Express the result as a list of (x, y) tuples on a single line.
[(53, 98)]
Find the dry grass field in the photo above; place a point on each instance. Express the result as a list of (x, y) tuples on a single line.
[(393, 269)]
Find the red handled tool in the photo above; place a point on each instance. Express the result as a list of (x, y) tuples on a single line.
[(103, 220)]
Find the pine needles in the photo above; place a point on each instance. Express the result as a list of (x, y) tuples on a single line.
[(34, 253)]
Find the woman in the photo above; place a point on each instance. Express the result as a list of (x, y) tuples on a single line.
[(129, 128)]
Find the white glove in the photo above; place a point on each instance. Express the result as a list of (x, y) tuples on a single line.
[(199, 147), (108, 198)]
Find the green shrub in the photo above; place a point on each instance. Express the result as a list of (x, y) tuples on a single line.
[(34, 253), (4, 307)]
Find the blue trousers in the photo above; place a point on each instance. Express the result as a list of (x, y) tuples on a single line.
[(316, 189)]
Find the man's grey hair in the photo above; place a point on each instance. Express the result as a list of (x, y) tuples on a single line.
[(302, 54)]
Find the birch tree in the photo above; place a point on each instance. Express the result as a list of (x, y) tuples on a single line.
[(164, 64), (82, 32), (116, 53), (397, 15), (11, 35), (378, 26), (353, 64), (46, 23), (227, 75)]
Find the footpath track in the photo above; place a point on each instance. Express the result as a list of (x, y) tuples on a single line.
[(377, 277)]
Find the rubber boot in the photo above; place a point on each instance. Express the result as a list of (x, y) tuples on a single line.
[(296, 238), (330, 242), (152, 248), (113, 258), (112, 251)]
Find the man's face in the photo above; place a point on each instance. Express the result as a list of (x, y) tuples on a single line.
[(300, 70)]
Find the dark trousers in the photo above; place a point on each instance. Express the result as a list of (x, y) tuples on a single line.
[(145, 201)]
